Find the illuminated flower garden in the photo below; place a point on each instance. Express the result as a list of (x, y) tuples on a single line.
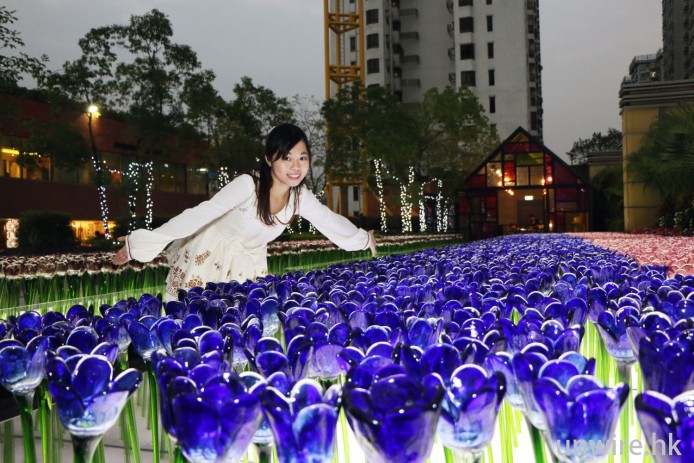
[(544, 344)]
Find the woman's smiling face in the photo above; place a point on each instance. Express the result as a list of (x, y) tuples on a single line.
[(291, 169)]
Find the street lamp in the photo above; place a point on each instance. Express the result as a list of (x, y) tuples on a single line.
[(93, 111)]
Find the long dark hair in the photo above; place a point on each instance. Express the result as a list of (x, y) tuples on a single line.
[(279, 142)]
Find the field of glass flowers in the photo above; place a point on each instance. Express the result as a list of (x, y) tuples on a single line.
[(555, 343)]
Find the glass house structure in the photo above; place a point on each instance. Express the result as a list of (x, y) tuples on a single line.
[(523, 187)]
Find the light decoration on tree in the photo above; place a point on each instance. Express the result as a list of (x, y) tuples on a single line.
[(131, 174), (381, 202), (406, 202), (93, 113), (223, 177), (11, 230), (311, 228), (149, 204), (422, 210), (440, 219)]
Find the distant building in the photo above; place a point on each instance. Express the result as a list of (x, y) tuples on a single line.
[(176, 183), (410, 46), (678, 39)]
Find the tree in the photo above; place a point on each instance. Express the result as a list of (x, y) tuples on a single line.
[(665, 160), (608, 199), (307, 115), (454, 136), (249, 117), (611, 141), (12, 67)]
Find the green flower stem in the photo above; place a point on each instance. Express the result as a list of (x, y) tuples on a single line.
[(538, 443), (84, 448), (26, 402), (132, 429), (8, 442), (624, 376), (178, 455), (264, 453), (448, 454), (46, 426), (154, 414)]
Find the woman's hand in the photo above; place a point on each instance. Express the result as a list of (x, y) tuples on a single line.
[(122, 255), (372, 243)]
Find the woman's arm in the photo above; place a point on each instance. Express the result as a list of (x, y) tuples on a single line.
[(335, 227), (144, 245)]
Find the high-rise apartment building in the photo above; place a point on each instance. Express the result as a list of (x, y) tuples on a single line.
[(410, 46), (678, 39)]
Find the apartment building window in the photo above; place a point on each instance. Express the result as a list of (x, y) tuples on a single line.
[(490, 23), (467, 78), (372, 41), (492, 80), (352, 44), (492, 104), (466, 24), (467, 51), (464, 2), (371, 16), (490, 50), (489, 2), (373, 66), (533, 120)]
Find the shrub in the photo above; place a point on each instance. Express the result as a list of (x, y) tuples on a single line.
[(41, 231)]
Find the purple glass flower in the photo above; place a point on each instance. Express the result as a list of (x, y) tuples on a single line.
[(667, 424), (303, 424), (470, 408), (393, 415), (612, 327), (581, 416), (88, 398)]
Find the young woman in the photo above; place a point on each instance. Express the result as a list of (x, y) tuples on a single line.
[(226, 237)]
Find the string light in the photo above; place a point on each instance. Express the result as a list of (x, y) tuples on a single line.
[(131, 175), (223, 177), (440, 220), (149, 204), (422, 210), (381, 202), (406, 202)]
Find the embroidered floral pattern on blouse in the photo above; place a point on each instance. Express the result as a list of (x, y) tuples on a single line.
[(186, 256), (217, 266), (201, 258), (194, 281), (177, 277)]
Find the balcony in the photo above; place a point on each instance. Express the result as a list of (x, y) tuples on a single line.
[(451, 78), (451, 28), (451, 53), (409, 12), (449, 6), (410, 59), (414, 35)]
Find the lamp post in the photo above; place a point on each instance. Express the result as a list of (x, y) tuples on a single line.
[(93, 113)]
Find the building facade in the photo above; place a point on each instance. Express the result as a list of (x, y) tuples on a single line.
[(178, 179), (678, 34), (410, 46)]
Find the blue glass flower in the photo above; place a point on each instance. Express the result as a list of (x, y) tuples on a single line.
[(612, 327), (470, 408), (393, 415), (216, 421), (88, 398), (303, 424), (22, 368), (667, 424), (582, 411), (666, 366)]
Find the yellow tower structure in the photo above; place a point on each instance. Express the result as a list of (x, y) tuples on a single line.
[(338, 22)]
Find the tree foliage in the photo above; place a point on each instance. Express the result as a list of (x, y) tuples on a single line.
[(610, 141), (13, 64), (454, 135), (665, 160), (307, 115)]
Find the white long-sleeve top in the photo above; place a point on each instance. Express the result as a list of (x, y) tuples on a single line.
[(222, 238)]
